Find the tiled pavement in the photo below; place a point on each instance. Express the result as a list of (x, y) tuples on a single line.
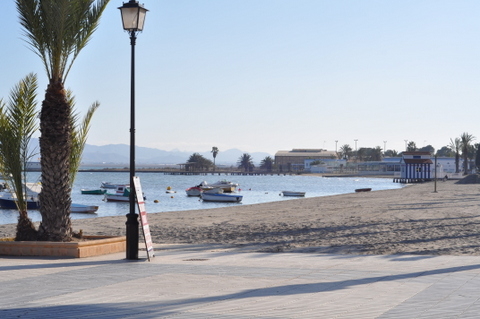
[(210, 282)]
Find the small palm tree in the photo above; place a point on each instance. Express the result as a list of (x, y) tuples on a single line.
[(214, 153), (246, 162), (455, 146), (267, 163), (465, 139), (18, 122), (411, 147), (57, 31), (346, 151)]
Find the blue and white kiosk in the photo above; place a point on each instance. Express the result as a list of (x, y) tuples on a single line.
[(415, 167)]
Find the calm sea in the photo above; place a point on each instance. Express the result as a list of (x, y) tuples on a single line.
[(255, 189)]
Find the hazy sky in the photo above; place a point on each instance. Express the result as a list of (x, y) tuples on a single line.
[(268, 75)]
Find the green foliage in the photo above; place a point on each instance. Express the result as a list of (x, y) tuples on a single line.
[(58, 30), (411, 146), (267, 163), (79, 135), (198, 162), (428, 148), (246, 162), (18, 122)]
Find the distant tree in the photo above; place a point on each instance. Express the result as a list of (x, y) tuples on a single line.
[(455, 146), (214, 153), (445, 151), (428, 148), (411, 146), (345, 151), (317, 162), (391, 153), (477, 156), (246, 162), (198, 162), (267, 163), (465, 139)]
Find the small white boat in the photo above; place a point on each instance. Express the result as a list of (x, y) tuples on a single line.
[(225, 185), (122, 194), (291, 193), (8, 198), (194, 191), (109, 185), (221, 197), (79, 208)]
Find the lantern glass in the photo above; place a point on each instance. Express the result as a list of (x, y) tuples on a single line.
[(133, 16)]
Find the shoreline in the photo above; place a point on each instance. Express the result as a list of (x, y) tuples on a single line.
[(409, 220)]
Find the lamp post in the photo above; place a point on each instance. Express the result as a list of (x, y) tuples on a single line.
[(133, 18)]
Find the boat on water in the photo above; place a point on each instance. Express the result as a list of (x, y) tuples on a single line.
[(292, 193), (360, 190), (225, 185), (85, 209), (93, 191), (122, 194), (221, 197), (7, 200), (109, 185), (194, 191)]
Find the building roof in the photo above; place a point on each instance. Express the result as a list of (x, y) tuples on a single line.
[(307, 153), (416, 153), (418, 161)]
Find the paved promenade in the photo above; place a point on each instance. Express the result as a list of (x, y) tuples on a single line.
[(212, 282)]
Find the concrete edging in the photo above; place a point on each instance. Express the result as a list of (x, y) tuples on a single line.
[(93, 246)]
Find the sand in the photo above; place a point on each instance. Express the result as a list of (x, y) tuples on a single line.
[(411, 220)]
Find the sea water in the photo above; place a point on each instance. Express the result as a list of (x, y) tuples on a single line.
[(255, 189)]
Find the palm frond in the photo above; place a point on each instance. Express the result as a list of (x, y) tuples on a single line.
[(79, 138), (57, 30), (18, 122)]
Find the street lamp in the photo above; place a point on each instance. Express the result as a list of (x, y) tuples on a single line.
[(133, 18)]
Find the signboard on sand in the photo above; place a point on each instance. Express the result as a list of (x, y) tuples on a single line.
[(143, 217)]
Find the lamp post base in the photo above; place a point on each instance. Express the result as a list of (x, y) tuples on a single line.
[(132, 236)]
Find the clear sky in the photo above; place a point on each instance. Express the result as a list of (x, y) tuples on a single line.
[(268, 75)]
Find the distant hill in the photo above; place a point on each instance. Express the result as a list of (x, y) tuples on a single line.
[(119, 154)]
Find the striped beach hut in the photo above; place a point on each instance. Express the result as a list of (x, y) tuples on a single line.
[(416, 166)]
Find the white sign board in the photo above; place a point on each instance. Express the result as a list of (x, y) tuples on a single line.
[(143, 217)]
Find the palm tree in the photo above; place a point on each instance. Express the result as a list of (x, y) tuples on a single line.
[(465, 139), (57, 30), (455, 146), (267, 163), (411, 147), (246, 162), (214, 152), (345, 151), (18, 122)]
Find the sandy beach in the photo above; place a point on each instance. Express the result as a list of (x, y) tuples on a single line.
[(411, 220)]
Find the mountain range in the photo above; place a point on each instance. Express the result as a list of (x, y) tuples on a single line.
[(119, 154)]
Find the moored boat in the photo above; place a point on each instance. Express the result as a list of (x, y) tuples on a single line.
[(79, 208), (225, 185), (292, 193), (93, 191), (194, 191), (109, 185), (221, 197), (360, 190), (122, 194), (7, 198)]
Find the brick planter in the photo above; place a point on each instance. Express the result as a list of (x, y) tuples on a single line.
[(92, 246)]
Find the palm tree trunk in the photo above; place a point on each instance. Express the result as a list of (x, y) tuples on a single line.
[(25, 229), (55, 148)]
